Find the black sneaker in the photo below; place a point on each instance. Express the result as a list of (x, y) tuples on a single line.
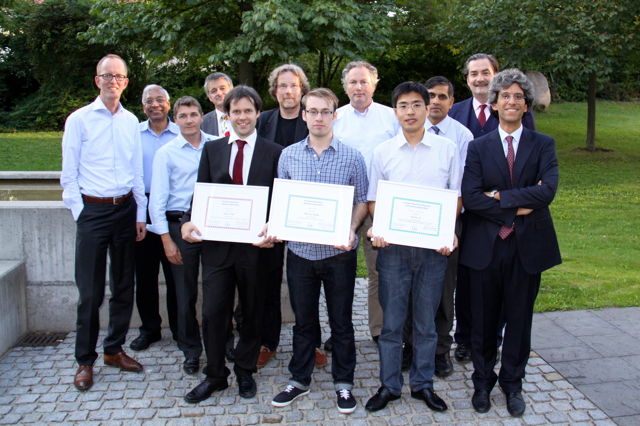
[(287, 396), (346, 401)]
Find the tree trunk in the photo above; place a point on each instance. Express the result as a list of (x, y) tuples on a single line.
[(245, 73), (591, 113)]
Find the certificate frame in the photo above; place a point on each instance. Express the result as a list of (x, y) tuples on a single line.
[(311, 212), (415, 215), (231, 213)]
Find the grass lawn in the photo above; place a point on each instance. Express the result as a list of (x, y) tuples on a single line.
[(596, 210)]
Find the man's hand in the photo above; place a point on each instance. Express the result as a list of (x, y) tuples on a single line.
[(267, 241), (141, 231), (171, 250), (523, 212), (445, 250), (376, 241), (187, 230), (352, 241)]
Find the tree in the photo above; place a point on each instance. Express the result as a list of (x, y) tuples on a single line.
[(579, 39)]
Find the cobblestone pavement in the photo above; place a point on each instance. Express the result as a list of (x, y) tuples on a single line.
[(36, 386)]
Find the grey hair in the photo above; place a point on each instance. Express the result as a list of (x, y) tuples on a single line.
[(476, 56), (357, 64), (150, 87), (505, 79), (292, 68), (216, 76)]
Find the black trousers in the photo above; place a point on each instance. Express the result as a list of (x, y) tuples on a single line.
[(149, 256), (239, 269), (102, 228), (186, 279), (272, 315), (504, 286)]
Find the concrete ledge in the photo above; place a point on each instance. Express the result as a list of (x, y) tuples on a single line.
[(51, 175), (13, 312)]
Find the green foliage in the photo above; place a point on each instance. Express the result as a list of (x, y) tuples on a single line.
[(31, 151)]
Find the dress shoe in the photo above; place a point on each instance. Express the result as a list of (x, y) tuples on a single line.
[(205, 389), (515, 403), (142, 342), (444, 367), (123, 362), (407, 356), (321, 359), (264, 356), (380, 400), (246, 386), (430, 398), (481, 401), (328, 345), (83, 379), (462, 353), (191, 365)]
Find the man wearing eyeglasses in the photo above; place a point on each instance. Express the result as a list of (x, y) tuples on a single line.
[(322, 158), (510, 178), (363, 125), (216, 122), (103, 187), (156, 131)]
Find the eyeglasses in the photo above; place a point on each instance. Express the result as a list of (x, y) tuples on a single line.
[(108, 77), (517, 97), (314, 113), (414, 106), (151, 101)]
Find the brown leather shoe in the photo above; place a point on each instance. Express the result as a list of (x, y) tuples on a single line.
[(123, 362), (83, 379), (321, 359), (264, 356)]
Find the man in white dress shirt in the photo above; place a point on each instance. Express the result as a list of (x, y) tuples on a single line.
[(364, 124), (102, 186)]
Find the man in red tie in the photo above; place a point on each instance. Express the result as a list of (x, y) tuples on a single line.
[(510, 178), (243, 158)]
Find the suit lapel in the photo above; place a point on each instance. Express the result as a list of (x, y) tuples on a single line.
[(525, 147), (254, 168), (224, 158)]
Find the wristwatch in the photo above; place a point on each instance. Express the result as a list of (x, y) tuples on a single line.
[(492, 194)]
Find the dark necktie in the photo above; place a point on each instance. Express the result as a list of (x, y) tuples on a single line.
[(481, 117), (237, 163), (505, 231), (435, 129)]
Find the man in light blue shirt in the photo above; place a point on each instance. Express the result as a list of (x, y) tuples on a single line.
[(175, 169), (156, 131), (363, 125)]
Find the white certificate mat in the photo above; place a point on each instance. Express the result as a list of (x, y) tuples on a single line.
[(233, 213), (415, 215), (311, 212)]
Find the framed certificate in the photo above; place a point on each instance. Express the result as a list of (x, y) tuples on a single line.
[(311, 212), (225, 212), (415, 215)]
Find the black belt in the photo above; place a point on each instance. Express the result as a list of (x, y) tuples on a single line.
[(107, 200), (174, 215)]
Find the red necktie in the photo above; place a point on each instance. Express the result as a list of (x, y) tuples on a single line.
[(237, 163), (505, 231), (481, 117)]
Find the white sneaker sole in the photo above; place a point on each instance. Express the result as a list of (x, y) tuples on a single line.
[(347, 410), (284, 404)]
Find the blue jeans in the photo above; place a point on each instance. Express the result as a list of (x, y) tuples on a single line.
[(338, 274), (409, 271)]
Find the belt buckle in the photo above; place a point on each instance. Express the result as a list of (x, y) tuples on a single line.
[(115, 201)]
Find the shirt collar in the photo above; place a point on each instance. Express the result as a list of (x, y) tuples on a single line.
[(181, 142), (335, 143), (361, 114), (443, 125), (476, 105), (516, 134), (172, 127), (426, 139), (98, 105), (250, 140)]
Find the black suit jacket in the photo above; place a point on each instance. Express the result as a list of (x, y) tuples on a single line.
[(464, 113), (268, 125), (214, 168), (486, 169)]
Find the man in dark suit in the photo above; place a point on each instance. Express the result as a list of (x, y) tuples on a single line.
[(216, 122), (510, 178), (241, 158), (475, 114)]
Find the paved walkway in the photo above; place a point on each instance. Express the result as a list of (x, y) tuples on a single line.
[(36, 383)]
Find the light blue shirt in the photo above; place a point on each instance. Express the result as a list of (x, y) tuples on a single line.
[(454, 130), (151, 142), (175, 170), (365, 131), (101, 157)]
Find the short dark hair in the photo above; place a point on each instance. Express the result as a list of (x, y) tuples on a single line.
[(186, 101), (439, 80), (408, 87), (322, 93), (242, 91), (492, 59), (505, 79)]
